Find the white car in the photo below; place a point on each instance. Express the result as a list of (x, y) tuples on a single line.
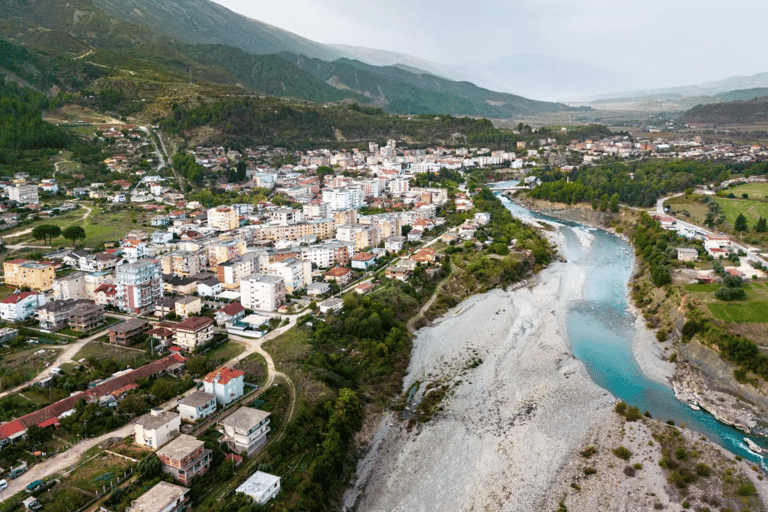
[(3, 485)]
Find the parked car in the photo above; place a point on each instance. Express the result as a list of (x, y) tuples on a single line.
[(32, 504), (18, 471), (35, 486), (3, 484)]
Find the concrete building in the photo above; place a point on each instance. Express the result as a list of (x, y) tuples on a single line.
[(296, 274), (156, 428), (81, 315), (139, 285), (37, 276), (262, 292), (687, 254), (343, 198), (70, 287), (245, 430), (220, 252), (223, 218), (17, 307), (229, 314), (188, 306), (197, 405), (209, 288), (183, 263), (362, 236), (163, 497), (128, 332), (394, 243), (260, 486), (184, 458), (24, 194), (225, 384), (194, 331), (94, 280), (231, 272)]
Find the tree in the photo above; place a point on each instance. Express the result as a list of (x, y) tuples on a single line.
[(741, 223), (74, 233), (38, 435), (761, 227), (46, 232), (199, 365), (604, 202), (241, 171), (150, 467), (614, 203), (660, 276)]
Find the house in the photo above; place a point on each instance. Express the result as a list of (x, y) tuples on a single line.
[(179, 284), (163, 336), (482, 218), (225, 383), (394, 243), (229, 314), (57, 314), (317, 289), (414, 235), (331, 306), (163, 497), (245, 430), (209, 288), (86, 317), (128, 332), (188, 306), (363, 260), (340, 275), (161, 221), (19, 306), (197, 405), (260, 486), (36, 276), (156, 428), (424, 255), (194, 331), (106, 294), (364, 288), (398, 272), (165, 306), (687, 254), (161, 237), (717, 245), (184, 458)]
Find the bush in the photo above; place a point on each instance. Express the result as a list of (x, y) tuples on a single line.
[(621, 408), (629, 471), (703, 470), (589, 471), (588, 452), (729, 294), (661, 335), (746, 489), (633, 414), (681, 453), (622, 453)]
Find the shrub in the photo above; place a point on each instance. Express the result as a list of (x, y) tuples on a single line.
[(746, 489), (637, 465), (621, 408), (622, 453), (588, 452), (661, 335), (703, 470), (729, 294), (629, 471), (589, 471), (633, 414), (681, 453)]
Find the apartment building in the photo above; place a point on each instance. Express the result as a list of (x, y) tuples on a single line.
[(231, 272), (24, 194), (297, 274), (70, 287), (360, 235), (156, 428), (321, 255), (139, 285), (21, 272), (184, 458), (194, 331), (344, 198), (262, 292), (183, 263), (188, 306), (245, 430), (80, 314), (220, 252), (223, 218), (321, 228), (17, 307), (94, 280)]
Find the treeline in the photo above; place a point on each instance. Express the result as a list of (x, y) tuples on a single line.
[(21, 123), (655, 247), (186, 165), (638, 184)]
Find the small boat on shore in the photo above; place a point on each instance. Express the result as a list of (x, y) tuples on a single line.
[(753, 447), (695, 407)]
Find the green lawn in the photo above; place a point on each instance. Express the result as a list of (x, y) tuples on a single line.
[(226, 351), (703, 287), (752, 210), (123, 355), (750, 312), (755, 190)]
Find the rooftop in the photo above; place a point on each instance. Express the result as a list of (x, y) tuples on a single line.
[(180, 447), (258, 484), (129, 325), (197, 399), (232, 309), (225, 374), (245, 418), (153, 420), (193, 323)]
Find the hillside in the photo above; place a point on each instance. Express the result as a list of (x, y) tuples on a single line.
[(753, 111)]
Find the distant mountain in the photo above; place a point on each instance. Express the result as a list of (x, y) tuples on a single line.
[(752, 111)]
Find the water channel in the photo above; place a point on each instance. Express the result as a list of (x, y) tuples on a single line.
[(600, 330)]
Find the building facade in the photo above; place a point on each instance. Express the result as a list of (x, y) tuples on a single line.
[(262, 292), (139, 285)]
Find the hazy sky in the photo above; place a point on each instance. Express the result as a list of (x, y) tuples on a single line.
[(676, 41)]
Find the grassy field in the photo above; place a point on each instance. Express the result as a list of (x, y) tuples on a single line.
[(751, 209), (226, 351), (755, 190), (123, 355), (688, 209), (703, 287), (739, 312)]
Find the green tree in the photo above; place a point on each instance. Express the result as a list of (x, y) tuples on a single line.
[(604, 202), (241, 171), (46, 232), (660, 276), (149, 468), (761, 227), (199, 365), (741, 223), (614, 203), (74, 233), (38, 435)]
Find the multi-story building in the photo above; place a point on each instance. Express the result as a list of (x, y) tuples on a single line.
[(316, 210), (245, 430), (24, 194), (106, 295), (156, 428), (360, 235), (344, 198), (80, 314), (86, 317), (321, 228), (225, 384), (183, 263), (262, 292), (188, 306), (342, 217), (297, 274), (231, 272), (184, 458), (220, 252), (93, 281), (139, 285), (223, 218), (322, 255), (390, 224), (398, 187), (163, 497), (194, 331), (197, 405), (17, 307), (285, 216), (70, 287), (128, 332), (37, 276)]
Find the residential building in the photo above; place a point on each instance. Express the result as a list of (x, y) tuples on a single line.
[(225, 384), (161, 237), (398, 272), (194, 331), (261, 487), (184, 458), (134, 250), (19, 306), (687, 254), (178, 284), (321, 228), (331, 305), (70, 287), (210, 287), (183, 263), (245, 430), (231, 272), (398, 187), (343, 198), (197, 406), (163, 497), (106, 295), (394, 243), (57, 314), (296, 274), (224, 251), (165, 306), (229, 314), (24, 194), (94, 280), (156, 428), (37, 276), (161, 221), (188, 306), (362, 236), (262, 292), (86, 317), (139, 285), (317, 289), (322, 255), (223, 218), (128, 332), (340, 275), (363, 260)]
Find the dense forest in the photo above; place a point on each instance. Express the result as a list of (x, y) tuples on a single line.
[(21, 123)]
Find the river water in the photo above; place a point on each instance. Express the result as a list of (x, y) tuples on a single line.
[(601, 332)]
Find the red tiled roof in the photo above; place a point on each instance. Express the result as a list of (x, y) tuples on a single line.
[(17, 297), (10, 428), (232, 309), (338, 272), (48, 423), (225, 375), (363, 256), (17, 261), (193, 323), (107, 288), (235, 458), (160, 332), (124, 389)]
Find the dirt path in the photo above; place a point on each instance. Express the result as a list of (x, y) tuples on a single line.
[(412, 322)]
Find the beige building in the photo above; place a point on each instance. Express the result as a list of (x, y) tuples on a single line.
[(70, 287), (156, 428), (223, 218), (231, 272), (183, 263), (188, 306), (194, 331), (37, 276), (321, 228), (220, 252), (163, 497), (245, 430), (360, 235)]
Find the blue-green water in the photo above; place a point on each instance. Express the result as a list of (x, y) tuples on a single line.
[(601, 331)]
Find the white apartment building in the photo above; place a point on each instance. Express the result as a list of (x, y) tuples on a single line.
[(17, 307), (297, 274), (245, 430), (223, 218), (262, 292), (398, 186), (156, 428), (24, 194), (329, 254), (70, 287), (197, 405), (343, 198), (316, 210), (286, 215), (360, 235), (139, 285), (231, 272)]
